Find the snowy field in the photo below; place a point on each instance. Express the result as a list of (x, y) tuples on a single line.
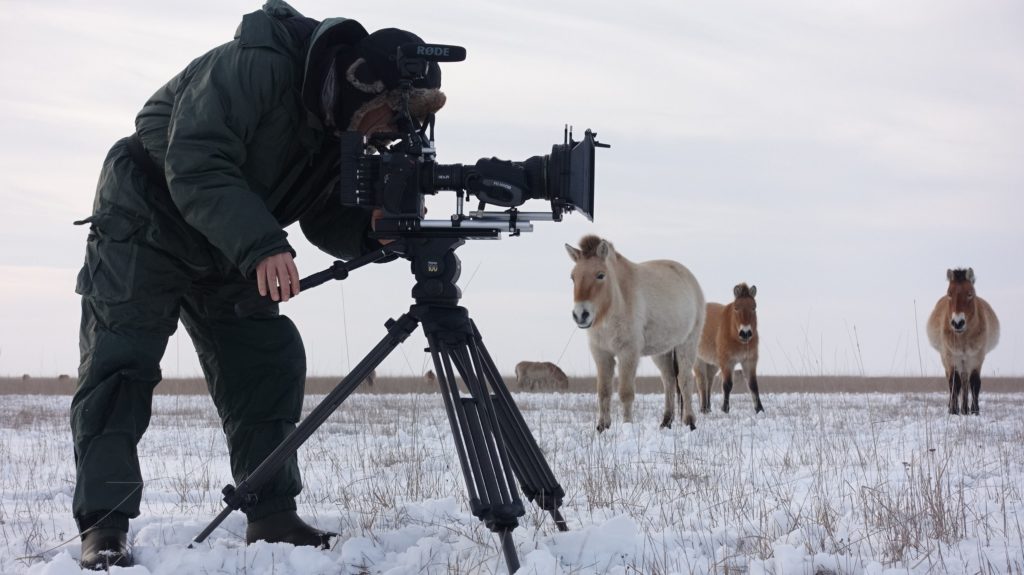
[(820, 484)]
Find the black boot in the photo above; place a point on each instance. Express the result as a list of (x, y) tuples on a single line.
[(287, 527), (104, 548)]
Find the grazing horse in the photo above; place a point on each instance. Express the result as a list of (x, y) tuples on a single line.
[(539, 375), (631, 310), (963, 328), (729, 337)]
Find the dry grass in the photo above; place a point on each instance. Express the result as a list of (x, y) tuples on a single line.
[(384, 384)]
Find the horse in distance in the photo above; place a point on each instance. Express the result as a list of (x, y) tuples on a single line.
[(540, 375), (631, 310), (729, 337), (963, 328)]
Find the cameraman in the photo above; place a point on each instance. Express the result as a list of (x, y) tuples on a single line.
[(189, 218)]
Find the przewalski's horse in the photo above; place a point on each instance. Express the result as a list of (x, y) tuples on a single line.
[(729, 337), (631, 310), (963, 328), (540, 375)]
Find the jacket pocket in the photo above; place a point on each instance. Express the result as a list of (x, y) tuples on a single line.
[(111, 257)]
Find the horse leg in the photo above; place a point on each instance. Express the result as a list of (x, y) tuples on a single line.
[(750, 372), (686, 357), (710, 372), (605, 371), (726, 369), (975, 389), (954, 392), (700, 376), (965, 390), (666, 364), (627, 384)]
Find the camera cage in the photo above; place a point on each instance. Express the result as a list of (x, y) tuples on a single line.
[(397, 185)]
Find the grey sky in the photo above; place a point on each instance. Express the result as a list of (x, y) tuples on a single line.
[(839, 155)]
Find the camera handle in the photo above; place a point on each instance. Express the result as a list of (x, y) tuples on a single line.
[(339, 270), (492, 440)]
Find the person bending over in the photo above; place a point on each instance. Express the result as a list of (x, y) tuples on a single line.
[(189, 218)]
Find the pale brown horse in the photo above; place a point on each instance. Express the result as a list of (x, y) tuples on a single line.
[(729, 337), (631, 310), (963, 328)]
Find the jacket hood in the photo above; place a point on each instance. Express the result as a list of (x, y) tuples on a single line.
[(332, 36)]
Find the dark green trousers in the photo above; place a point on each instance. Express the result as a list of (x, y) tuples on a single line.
[(144, 270)]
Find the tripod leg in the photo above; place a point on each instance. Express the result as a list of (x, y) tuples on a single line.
[(481, 453), (493, 443), (508, 547), (479, 442), (245, 494), (531, 468)]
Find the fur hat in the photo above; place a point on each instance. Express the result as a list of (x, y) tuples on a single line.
[(366, 75)]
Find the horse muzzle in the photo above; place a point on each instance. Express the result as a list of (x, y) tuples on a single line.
[(746, 334), (583, 315), (958, 323)]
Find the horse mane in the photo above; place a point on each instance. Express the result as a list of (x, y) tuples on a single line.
[(588, 245), (960, 275)]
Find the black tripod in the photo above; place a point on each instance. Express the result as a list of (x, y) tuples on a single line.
[(492, 439)]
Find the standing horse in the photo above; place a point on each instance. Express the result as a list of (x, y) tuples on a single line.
[(729, 337), (630, 310), (963, 328)]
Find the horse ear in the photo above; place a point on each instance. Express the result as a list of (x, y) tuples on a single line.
[(753, 291), (737, 291), (604, 249), (949, 275), (574, 254), (970, 275)]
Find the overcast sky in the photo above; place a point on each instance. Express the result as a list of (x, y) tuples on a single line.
[(839, 155)]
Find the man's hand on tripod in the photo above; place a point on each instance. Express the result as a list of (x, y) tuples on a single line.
[(278, 276)]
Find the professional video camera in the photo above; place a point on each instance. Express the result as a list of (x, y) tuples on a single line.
[(394, 171)]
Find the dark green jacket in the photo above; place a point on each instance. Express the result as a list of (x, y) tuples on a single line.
[(242, 156)]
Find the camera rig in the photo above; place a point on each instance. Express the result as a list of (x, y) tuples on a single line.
[(394, 171)]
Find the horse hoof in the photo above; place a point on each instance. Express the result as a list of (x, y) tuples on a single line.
[(725, 409), (759, 409), (692, 427)]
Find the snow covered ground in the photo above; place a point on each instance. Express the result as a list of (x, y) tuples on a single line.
[(820, 483)]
